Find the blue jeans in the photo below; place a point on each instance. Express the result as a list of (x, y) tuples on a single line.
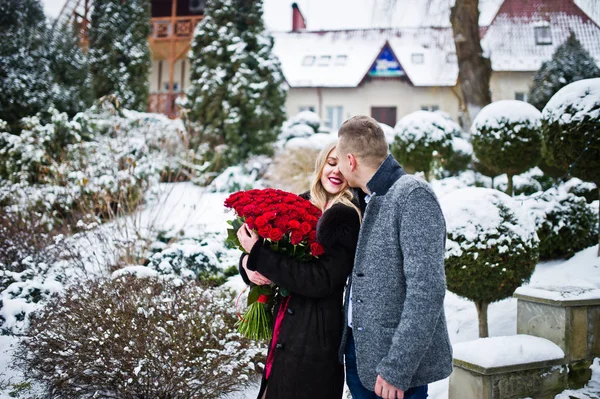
[(357, 389)]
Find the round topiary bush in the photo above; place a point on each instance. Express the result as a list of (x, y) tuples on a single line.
[(460, 158), (304, 124), (421, 137), (492, 246), (565, 223), (131, 337), (506, 137), (571, 130)]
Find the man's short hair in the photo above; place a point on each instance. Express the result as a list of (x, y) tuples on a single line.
[(363, 137)]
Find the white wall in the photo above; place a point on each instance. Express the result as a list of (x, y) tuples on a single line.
[(504, 85)]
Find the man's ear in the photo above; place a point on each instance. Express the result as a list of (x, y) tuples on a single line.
[(352, 161)]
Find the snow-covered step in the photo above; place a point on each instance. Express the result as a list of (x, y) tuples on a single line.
[(567, 316), (510, 367)]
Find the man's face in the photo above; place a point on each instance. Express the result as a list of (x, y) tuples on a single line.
[(345, 168)]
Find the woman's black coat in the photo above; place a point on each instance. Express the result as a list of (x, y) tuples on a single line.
[(306, 364)]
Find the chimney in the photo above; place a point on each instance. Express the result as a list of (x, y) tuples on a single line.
[(298, 22)]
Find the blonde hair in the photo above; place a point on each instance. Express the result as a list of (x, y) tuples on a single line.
[(362, 136), (319, 196)]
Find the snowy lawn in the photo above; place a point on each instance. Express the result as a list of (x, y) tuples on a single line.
[(186, 206)]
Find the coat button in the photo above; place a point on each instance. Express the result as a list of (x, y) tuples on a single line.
[(359, 300), (279, 346), (290, 311), (360, 274), (360, 328)]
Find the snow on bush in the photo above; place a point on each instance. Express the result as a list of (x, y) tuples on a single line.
[(139, 337), (565, 223), (506, 137), (587, 190), (421, 137), (526, 183), (317, 141), (492, 246), (571, 129), (304, 124), (241, 177)]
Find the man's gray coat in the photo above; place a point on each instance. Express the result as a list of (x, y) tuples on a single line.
[(399, 284)]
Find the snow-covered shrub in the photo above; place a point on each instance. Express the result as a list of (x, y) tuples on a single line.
[(134, 337), (459, 158), (189, 259), (304, 124), (506, 137), (293, 169), (587, 190), (492, 246), (241, 177), (565, 223), (421, 137), (571, 130)]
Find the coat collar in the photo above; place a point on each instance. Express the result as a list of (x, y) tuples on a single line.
[(387, 174)]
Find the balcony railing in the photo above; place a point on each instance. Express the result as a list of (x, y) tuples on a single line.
[(178, 28), (164, 103)]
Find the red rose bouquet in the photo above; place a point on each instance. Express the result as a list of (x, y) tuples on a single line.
[(289, 223)]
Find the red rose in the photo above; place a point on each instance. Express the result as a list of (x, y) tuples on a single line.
[(260, 222), (312, 236), (294, 224), (297, 237), (275, 234), (316, 249), (269, 215), (264, 231), (305, 228), (250, 222)]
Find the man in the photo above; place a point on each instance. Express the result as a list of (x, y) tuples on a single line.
[(397, 340)]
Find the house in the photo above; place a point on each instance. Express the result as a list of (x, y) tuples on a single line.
[(382, 67)]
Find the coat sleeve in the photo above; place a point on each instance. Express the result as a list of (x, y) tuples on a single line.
[(337, 232), (422, 241), (243, 271)]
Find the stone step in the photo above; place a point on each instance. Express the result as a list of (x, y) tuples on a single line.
[(507, 368)]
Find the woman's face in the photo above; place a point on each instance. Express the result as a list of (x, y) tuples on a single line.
[(332, 180)]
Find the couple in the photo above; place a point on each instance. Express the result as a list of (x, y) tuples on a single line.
[(388, 243)]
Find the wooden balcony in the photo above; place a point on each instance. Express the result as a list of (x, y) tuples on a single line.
[(164, 103), (174, 28)]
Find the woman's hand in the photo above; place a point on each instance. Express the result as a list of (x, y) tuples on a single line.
[(253, 276), (247, 237)]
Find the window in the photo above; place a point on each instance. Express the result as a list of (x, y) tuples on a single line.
[(543, 35), (431, 108), (418, 58), (334, 117), (324, 60), (308, 60), (307, 108), (385, 115), (341, 60), (521, 96)]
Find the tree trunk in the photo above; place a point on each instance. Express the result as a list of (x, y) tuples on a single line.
[(474, 70), (482, 308), (509, 189)]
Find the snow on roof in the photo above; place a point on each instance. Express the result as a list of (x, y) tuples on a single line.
[(343, 58), (507, 351), (525, 34)]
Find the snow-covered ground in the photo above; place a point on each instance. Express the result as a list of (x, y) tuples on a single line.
[(186, 206)]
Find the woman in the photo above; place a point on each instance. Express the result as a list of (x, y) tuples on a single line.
[(302, 362)]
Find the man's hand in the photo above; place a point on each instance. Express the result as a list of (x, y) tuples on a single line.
[(253, 276), (247, 237), (387, 390)]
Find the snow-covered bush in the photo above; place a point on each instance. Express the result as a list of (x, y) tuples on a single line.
[(189, 259), (304, 124), (134, 337), (459, 158), (421, 137), (587, 190), (565, 223), (571, 130), (506, 137), (492, 246), (526, 183), (293, 169), (241, 177)]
